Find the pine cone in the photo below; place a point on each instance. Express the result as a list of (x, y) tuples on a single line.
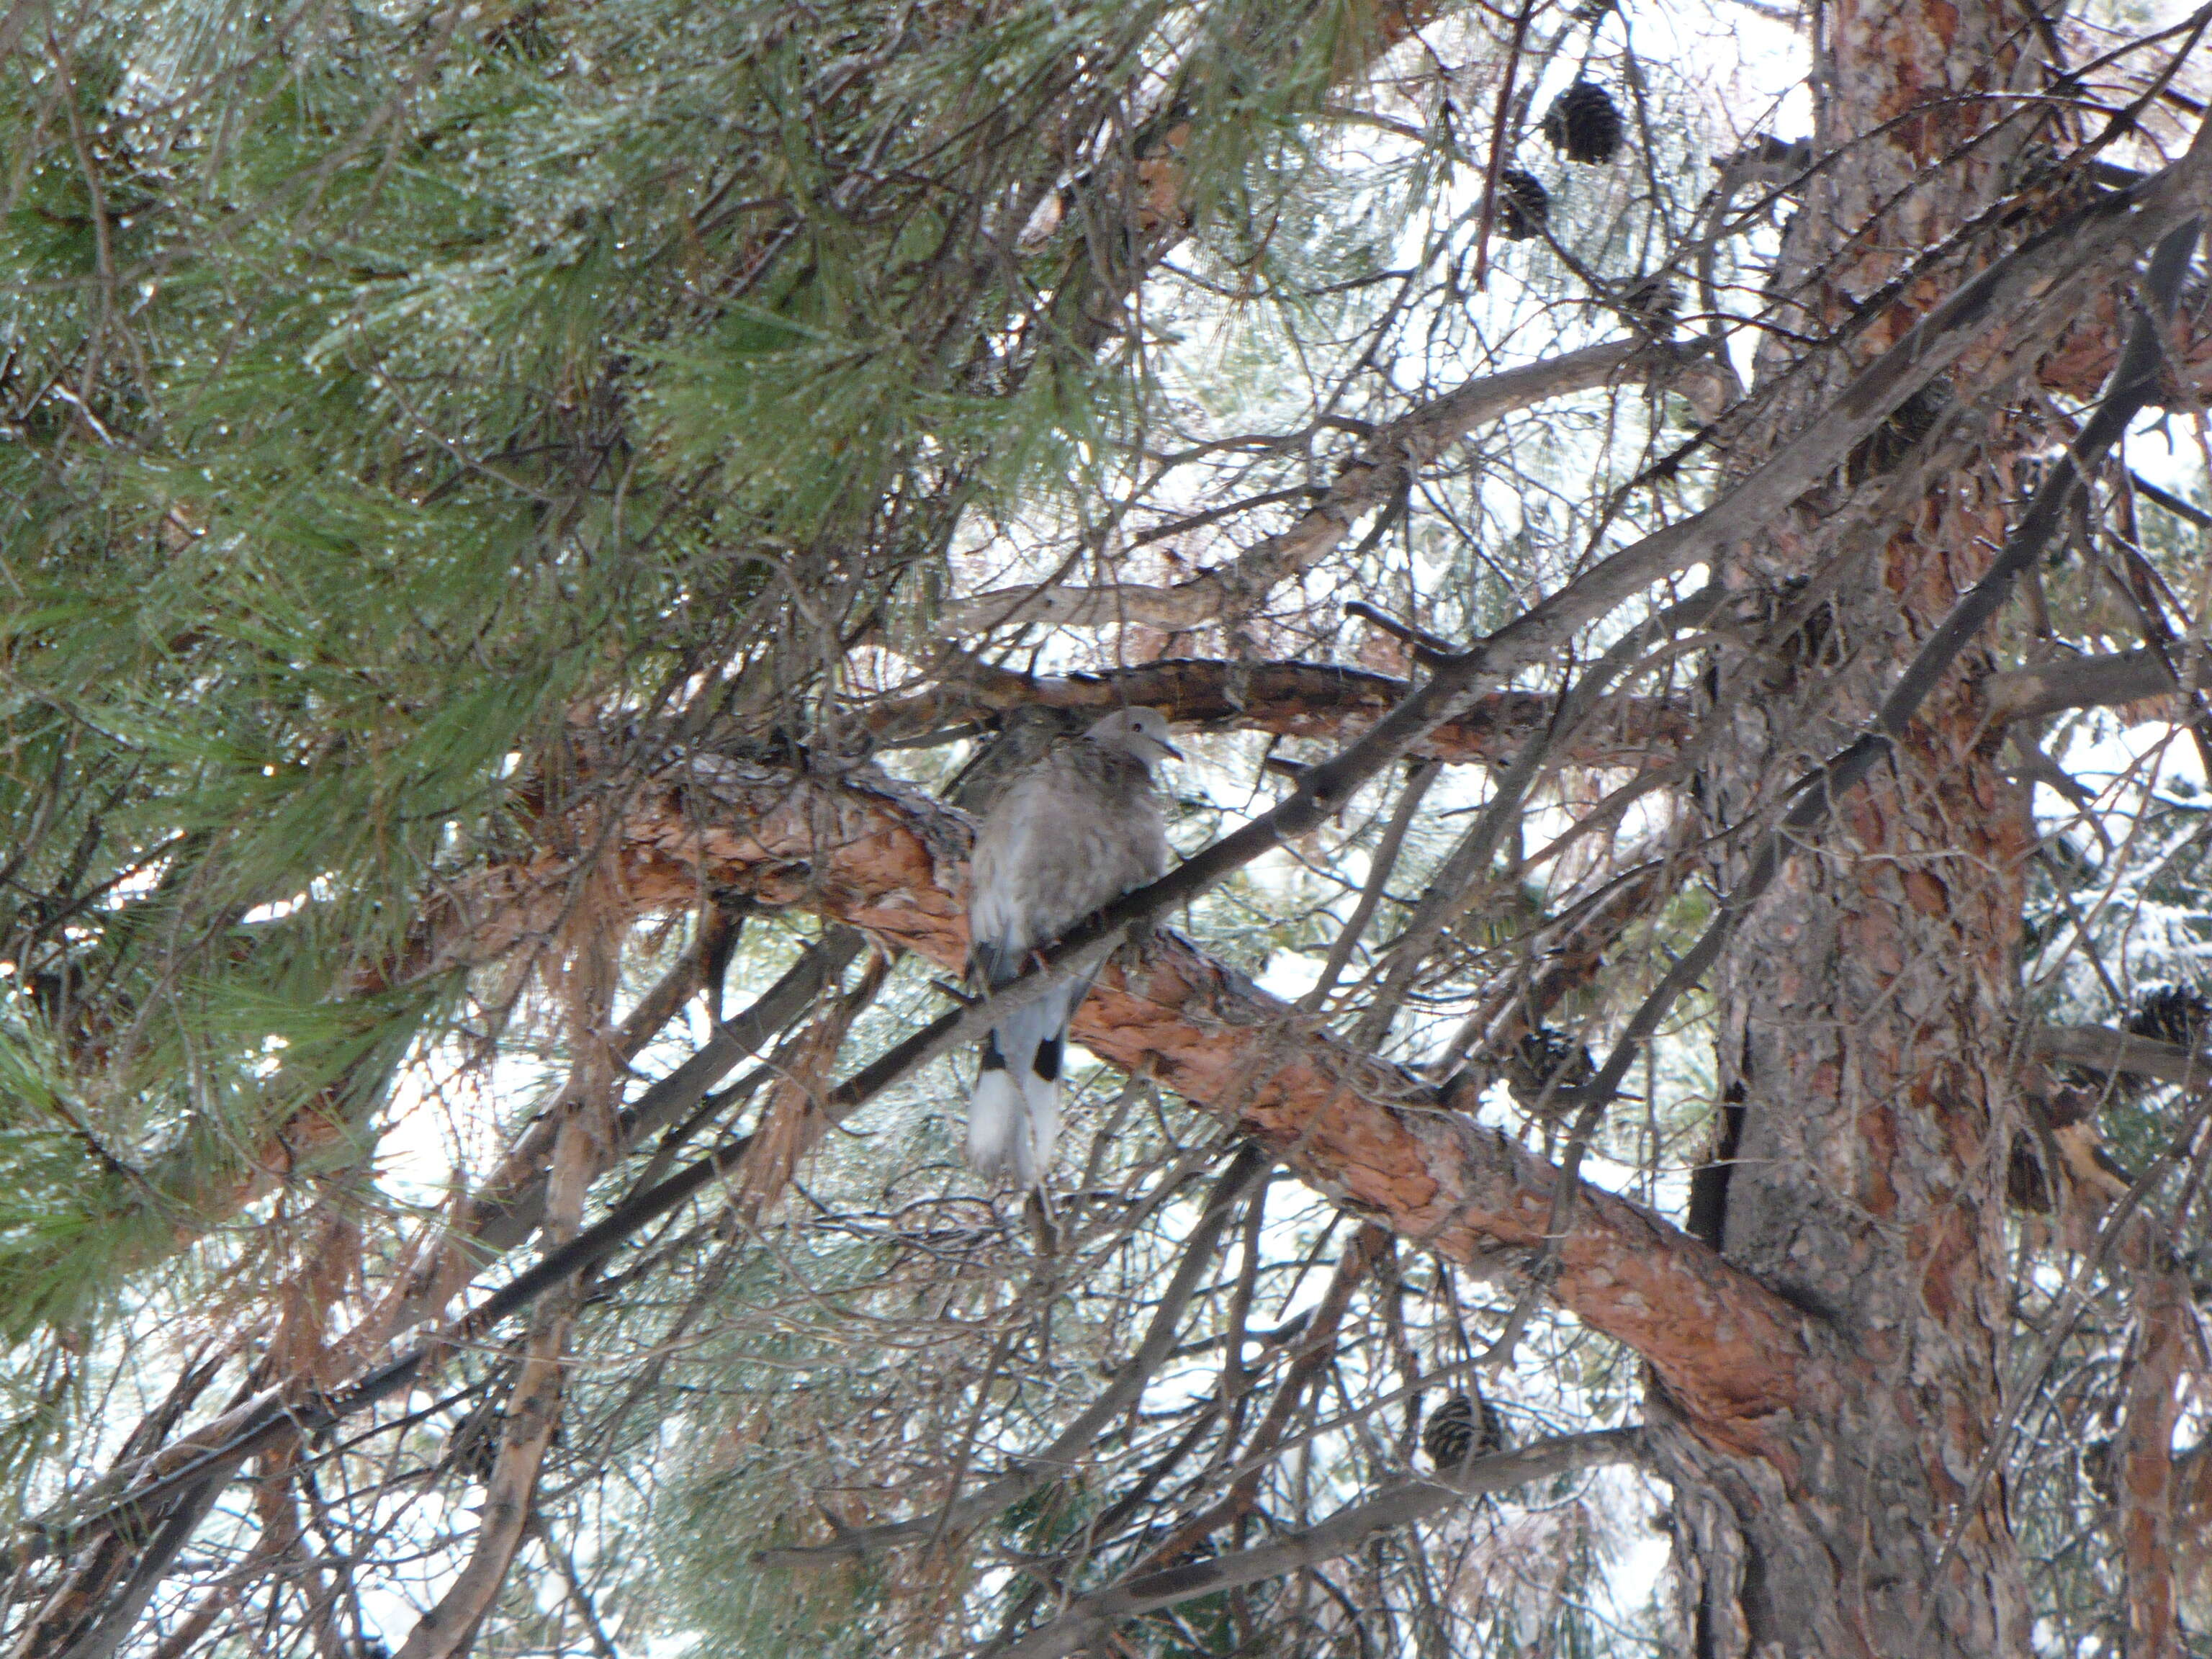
[(1654, 303), (1523, 204), (1584, 123), (1545, 1069), (1884, 449), (472, 1449), (2097, 1467), (2026, 1185), (2173, 1013), (1463, 1427)]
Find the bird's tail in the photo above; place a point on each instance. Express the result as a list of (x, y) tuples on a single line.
[(1013, 1116)]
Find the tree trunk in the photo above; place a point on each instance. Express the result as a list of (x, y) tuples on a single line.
[(1864, 1017)]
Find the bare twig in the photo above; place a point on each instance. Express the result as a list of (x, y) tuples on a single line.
[(1091, 1617), (1054, 1461)]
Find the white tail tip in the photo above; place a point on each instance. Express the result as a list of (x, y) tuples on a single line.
[(997, 1137)]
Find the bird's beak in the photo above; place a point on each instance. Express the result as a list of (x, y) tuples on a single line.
[(1170, 748)]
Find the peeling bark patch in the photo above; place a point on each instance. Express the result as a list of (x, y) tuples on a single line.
[(1878, 1127), (1926, 894), (1947, 1247)]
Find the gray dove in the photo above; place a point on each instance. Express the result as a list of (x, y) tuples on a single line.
[(1076, 829)]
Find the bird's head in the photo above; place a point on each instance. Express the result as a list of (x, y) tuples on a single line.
[(1141, 733)]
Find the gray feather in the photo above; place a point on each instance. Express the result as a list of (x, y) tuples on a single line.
[(1075, 829)]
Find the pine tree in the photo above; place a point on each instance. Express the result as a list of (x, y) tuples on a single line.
[(530, 530)]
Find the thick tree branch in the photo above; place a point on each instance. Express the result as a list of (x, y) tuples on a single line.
[(1289, 699), (881, 856), (2081, 682), (889, 859), (1328, 701), (2094, 1047)]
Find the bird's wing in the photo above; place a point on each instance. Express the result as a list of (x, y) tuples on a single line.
[(1001, 916), (1068, 834), (991, 964)]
